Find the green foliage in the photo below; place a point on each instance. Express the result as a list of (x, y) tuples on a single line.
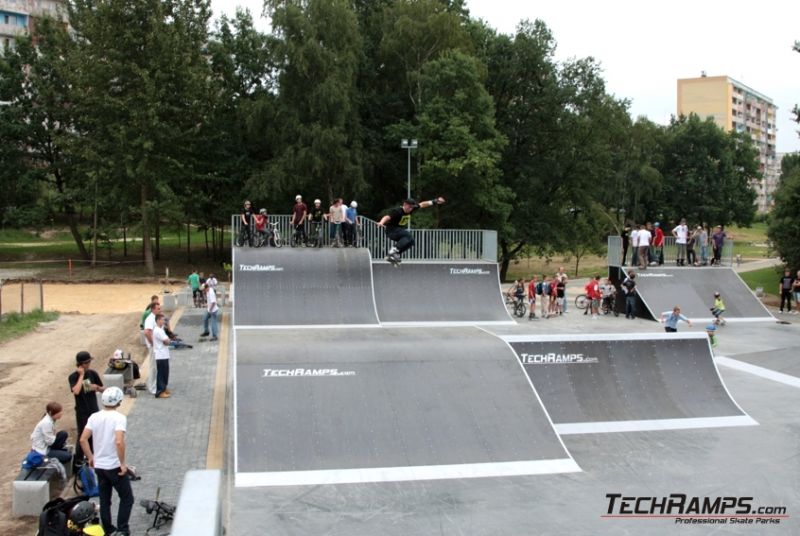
[(766, 279), (784, 230), (13, 325)]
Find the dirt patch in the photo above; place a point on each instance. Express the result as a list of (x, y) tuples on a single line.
[(34, 370), (86, 298)]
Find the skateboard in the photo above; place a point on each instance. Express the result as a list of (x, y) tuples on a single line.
[(394, 260)]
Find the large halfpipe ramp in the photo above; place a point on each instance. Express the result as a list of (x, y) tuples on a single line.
[(303, 287), (439, 292), (661, 289), (632, 382), (391, 404)]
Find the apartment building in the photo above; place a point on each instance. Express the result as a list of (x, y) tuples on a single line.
[(735, 106), (18, 17)]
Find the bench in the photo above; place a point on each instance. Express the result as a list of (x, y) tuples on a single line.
[(33, 488)]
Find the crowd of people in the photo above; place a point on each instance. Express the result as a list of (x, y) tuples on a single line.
[(343, 229), (695, 246)]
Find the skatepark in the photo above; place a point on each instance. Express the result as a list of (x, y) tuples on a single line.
[(371, 399)]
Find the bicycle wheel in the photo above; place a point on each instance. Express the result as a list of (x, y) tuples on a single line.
[(277, 241), (520, 309), (614, 306), (582, 302)]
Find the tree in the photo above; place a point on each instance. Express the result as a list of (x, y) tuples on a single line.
[(36, 128), (783, 229), (707, 173), (138, 79)]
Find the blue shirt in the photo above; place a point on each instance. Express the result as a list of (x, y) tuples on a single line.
[(672, 319), (352, 214)]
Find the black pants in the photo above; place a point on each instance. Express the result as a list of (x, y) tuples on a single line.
[(108, 479), (402, 238), (717, 256), (58, 449), (80, 421), (624, 252), (786, 297), (691, 257), (347, 231), (300, 236), (670, 330), (630, 306), (162, 375)]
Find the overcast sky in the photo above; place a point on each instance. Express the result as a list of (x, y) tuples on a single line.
[(644, 46)]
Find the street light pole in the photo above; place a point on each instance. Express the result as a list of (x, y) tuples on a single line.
[(408, 145)]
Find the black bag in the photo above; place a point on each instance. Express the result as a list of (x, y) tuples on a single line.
[(53, 519)]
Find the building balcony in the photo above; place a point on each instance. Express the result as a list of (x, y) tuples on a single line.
[(12, 30)]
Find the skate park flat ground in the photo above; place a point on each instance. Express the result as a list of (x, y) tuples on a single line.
[(752, 461)]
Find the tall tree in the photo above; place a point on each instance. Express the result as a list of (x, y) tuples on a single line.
[(138, 83), (783, 229), (36, 125)]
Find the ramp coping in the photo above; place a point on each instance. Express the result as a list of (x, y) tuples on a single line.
[(604, 337), (405, 474)]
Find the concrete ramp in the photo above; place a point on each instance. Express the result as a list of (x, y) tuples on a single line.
[(390, 404), (622, 383), (439, 293), (661, 289), (303, 287)]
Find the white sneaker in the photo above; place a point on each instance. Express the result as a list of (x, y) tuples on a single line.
[(393, 251), (594, 317)]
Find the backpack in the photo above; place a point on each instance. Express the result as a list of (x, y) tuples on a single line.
[(88, 479), (53, 519), (540, 288), (32, 460)]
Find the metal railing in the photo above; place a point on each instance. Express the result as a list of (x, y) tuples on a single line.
[(430, 244), (670, 252)]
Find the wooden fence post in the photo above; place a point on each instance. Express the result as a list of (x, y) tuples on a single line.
[(21, 298), (41, 296)]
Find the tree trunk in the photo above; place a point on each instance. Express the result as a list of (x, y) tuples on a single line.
[(158, 234), (505, 259), (189, 241), (125, 241), (205, 233), (147, 249), (213, 242), (72, 221)]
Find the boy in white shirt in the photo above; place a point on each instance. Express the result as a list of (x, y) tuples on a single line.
[(161, 353), (644, 238), (681, 234), (107, 456)]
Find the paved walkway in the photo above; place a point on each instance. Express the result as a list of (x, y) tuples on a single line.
[(167, 438)]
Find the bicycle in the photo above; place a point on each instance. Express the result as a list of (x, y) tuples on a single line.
[(582, 301), (276, 241), (609, 305), (518, 305), (261, 239), (243, 237), (297, 234), (315, 239)]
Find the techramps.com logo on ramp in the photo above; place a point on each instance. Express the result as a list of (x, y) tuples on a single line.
[(553, 358), (260, 268), (305, 373), (469, 271)]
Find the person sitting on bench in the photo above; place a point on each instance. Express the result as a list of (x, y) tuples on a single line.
[(44, 438)]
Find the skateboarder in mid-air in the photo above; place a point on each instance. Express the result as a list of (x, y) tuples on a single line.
[(395, 224)]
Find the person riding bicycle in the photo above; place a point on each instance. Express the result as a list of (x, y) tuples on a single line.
[(261, 220), (317, 216), (718, 310), (395, 224), (245, 219), (607, 290), (299, 213)]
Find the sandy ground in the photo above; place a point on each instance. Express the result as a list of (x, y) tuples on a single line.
[(34, 368), (111, 298)]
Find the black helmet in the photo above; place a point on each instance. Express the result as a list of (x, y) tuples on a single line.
[(411, 201), (82, 513)]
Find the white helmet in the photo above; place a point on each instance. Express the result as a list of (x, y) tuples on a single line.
[(117, 354), (354, 204), (298, 197), (317, 202), (112, 396)]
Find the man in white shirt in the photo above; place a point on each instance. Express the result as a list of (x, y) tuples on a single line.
[(634, 245), (161, 354), (681, 234), (210, 315), (149, 326), (107, 456), (644, 238)]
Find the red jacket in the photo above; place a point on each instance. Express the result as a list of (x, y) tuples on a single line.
[(592, 289), (658, 240)]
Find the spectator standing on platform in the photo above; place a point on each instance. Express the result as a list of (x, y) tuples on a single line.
[(717, 242), (245, 220), (336, 216), (625, 235), (796, 290), (629, 289), (44, 438), (785, 287), (210, 315), (671, 319), (658, 245), (107, 456), (84, 383), (532, 284), (691, 255), (562, 276), (645, 237), (351, 224), (681, 234), (299, 213), (702, 242), (261, 221), (634, 245), (317, 216)]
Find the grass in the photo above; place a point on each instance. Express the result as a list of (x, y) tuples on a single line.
[(13, 325), (751, 242), (766, 278)]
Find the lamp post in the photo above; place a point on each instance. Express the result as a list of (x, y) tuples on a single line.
[(408, 145)]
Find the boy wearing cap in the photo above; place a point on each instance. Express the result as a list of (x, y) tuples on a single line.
[(299, 213), (85, 383), (396, 222)]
